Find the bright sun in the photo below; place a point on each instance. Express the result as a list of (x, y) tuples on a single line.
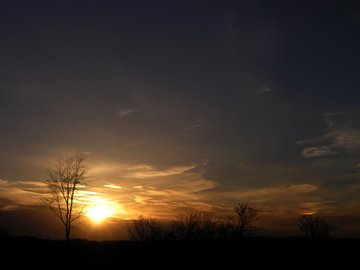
[(99, 212)]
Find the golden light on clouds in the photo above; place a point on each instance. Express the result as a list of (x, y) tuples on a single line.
[(126, 191), (113, 186)]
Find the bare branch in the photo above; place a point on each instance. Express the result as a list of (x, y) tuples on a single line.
[(63, 184), (146, 229), (245, 217)]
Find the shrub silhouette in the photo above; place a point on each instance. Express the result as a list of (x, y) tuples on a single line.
[(314, 227), (146, 229), (243, 222), (195, 226)]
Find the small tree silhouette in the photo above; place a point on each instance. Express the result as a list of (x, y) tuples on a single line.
[(246, 215), (195, 226), (66, 178), (146, 229), (314, 227)]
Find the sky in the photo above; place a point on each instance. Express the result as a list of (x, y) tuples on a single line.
[(182, 106)]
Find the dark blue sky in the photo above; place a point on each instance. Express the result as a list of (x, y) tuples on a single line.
[(242, 98)]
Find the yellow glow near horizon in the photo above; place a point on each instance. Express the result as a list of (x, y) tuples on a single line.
[(98, 213)]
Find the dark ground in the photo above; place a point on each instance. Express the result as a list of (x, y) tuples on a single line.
[(245, 253)]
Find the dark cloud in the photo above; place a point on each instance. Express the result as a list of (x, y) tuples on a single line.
[(338, 148)]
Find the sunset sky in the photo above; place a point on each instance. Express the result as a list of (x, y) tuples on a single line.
[(180, 106)]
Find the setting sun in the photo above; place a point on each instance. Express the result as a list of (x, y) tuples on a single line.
[(99, 212)]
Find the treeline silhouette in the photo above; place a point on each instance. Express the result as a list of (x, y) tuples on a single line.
[(195, 226), (196, 239), (208, 226)]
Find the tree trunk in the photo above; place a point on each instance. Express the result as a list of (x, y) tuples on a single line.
[(67, 232)]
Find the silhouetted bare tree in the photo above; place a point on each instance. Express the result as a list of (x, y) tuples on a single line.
[(146, 229), (243, 222), (195, 226), (66, 178), (314, 227)]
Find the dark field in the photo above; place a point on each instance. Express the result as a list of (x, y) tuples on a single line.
[(245, 253)]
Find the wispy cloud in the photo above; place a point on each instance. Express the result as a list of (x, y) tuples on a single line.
[(265, 88), (113, 186), (20, 193), (156, 191), (267, 193), (122, 113), (317, 151), (166, 202), (138, 171), (194, 126), (341, 138), (3, 182), (150, 171)]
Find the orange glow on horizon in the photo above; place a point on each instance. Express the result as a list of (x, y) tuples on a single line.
[(307, 213)]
